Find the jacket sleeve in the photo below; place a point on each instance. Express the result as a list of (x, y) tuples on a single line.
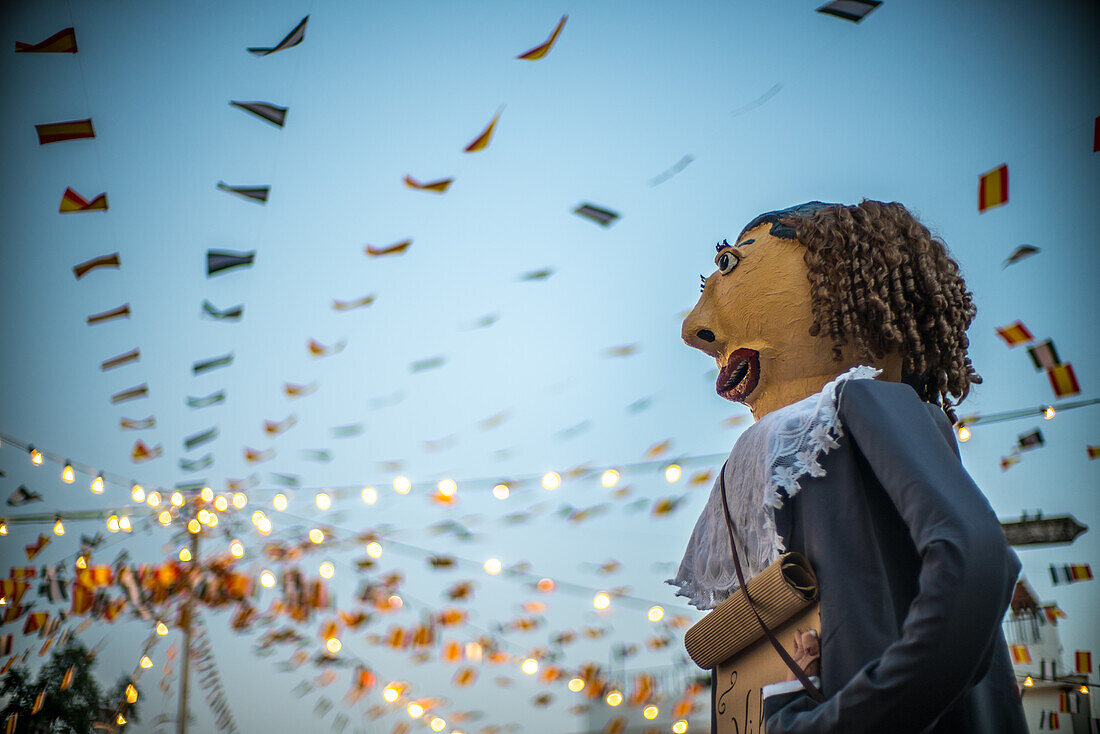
[(967, 573)]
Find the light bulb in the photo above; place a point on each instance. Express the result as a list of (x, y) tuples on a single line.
[(165, 517), (650, 712), (370, 496), (138, 493), (576, 685), (680, 727), (81, 563), (327, 569), (58, 527), (177, 499), (395, 601), (3, 528), (964, 434), (323, 501), (1028, 682), (203, 516), (67, 474), (545, 585), (206, 494), (162, 629), (447, 487), (610, 478), (390, 693), (415, 710), (120, 720), (221, 504), (317, 535), (185, 555), (279, 502), (672, 473), (656, 614), (112, 523), (374, 549), (530, 666), (551, 480), (601, 601), (493, 566), (614, 698), (193, 526), (97, 484), (333, 645), (473, 651), (131, 693), (153, 499), (438, 724), (264, 526), (401, 485), (267, 579), (124, 524), (145, 662), (236, 549), (36, 456), (501, 491), (1049, 412), (239, 500)]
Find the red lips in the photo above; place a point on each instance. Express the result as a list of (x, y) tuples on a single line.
[(740, 375)]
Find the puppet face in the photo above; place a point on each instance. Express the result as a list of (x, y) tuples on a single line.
[(754, 319)]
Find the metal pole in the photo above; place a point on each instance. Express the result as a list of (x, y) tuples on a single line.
[(185, 623)]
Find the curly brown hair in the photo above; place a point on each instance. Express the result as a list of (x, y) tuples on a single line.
[(879, 280)]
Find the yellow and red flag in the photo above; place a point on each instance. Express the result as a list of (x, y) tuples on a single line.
[(62, 42), (56, 132), (1063, 380), (1080, 572), (436, 187), (82, 598), (1020, 654), (615, 726), (1094, 452), (131, 356), (481, 142), (452, 651), (993, 188), (122, 312), (74, 202), (1082, 661), (67, 679), (464, 677), (35, 621), (396, 249), (317, 349), (142, 452), (1014, 334), (37, 546), (544, 48), (297, 391), (274, 428), (132, 424), (357, 303), (252, 456)]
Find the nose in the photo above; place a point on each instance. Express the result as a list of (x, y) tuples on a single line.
[(695, 334), (705, 334)]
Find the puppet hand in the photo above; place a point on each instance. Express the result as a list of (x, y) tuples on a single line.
[(807, 652)]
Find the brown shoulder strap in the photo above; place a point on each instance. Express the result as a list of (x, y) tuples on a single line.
[(799, 673)]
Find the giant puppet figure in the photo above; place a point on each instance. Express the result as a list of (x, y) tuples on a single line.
[(843, 329)]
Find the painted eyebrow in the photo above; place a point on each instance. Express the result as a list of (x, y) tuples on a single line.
[(746, 242)]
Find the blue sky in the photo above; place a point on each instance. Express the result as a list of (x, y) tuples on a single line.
[(911, 105)]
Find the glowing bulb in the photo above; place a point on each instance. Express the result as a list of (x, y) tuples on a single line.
[(239, 500), (221, 504), (177, 499), (672, 473), (165, 517), (333, 645), (81, 563), (656, 614), (650, 712), (401, 485), (493, 566), (317, 535), (206, 494), (120, 720), (551, 480), (370, 496), (67, 474), (145, 662), (124, 524), (327, 569), (473, 651), (36, 456), (438, 724), (530, 666), (1084, 690), (680, 727), (112, 523), (1049, 412), (576, 685), (264, 526), (390, 693), (374, 549), (614, 698), (601, 601), (97, 484), (131, 693), (58, 527), (395, 601), (415, 710), (213, 521), (964, 434), (267, 579), (501, 491), (610, 478), (1028, 682), (323, 501), (447, 488), (3, 528), (185, 555), (162, 629), (279, 502), (545, 585), (153, 499), (236, 549), (193, 526), (138, 493), (203, 516)]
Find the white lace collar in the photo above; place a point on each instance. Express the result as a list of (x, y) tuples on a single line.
[(771, 455)]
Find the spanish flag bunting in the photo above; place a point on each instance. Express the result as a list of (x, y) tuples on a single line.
[(62, 42), (452, 651), (122, 312), (1093, 451), (436, 187), (296, 391), (132, 424), (74, 202), (395, 249), (481, 142), (317, 349), (252, 193), (56, 132), (544, 48), (213, 363), (95, 577), (125, 358), (265, 111), (657, 449), (142, 452), (38, 701), (35, 548), (229, 314), (1020, 654), (356, 303), (1007, 462), (214, 398), (1053, 613), (252, 456), (1082, 662), (20, 573), (6, 644), (1014, 334), (133, 393), (1063, 380), (993, 188), (274, 428), (35, 621), (701, 477), (542, 274), (13, 590), (293, 38), (12, 722)]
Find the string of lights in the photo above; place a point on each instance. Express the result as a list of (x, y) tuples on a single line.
[(962, 427)]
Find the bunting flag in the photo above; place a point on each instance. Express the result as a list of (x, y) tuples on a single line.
[(239, 485), (56, 132), (67, 679), (676, 168), (543, 48), (125, 358), (39, 700), (349, 305), (1093, 452), (143, 453), (1053, 613), (265, 111), (197, 464), (62, 42), (1082, 662), (252, 456), (1070, 573), (658, 449), (319, 455), (625, 350), (1020, 253), (104, 261), (317, 349), (602, 217), (426, 364), (198, 439), (1020, 654), (35, 621), (133, 393), (292, 39), (252, 193), (481, 142), (286, 480), (218, 261), (34, 549), (436, 187), (1031, 440), (1014, 334), (352, 429), (853, 10), (13, 591), (74, 202), (274, 428), (213, 363), (1044, 356), (396, 249), (1063, 380), (229, 314), (993, 188), (1007, 462), (131, 424), (296, 391), (11, 724), (6, 645), (537, 274), (122, 312), (214, 398)]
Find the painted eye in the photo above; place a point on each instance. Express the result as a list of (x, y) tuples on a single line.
[(727, 261)]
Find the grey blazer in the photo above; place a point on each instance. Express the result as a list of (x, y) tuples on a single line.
[(915, 576)]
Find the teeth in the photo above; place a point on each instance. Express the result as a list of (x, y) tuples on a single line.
[(737, 376)]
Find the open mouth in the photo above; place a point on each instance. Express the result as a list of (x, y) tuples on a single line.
[(740, 375)]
